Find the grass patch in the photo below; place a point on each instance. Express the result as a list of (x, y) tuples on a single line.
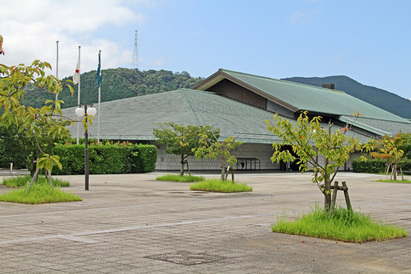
[(178, 178), (19, 181), (38, 194), (344, 225), (405, 181), (217, 185)]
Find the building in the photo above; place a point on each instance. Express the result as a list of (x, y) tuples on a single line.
[(239, 104)]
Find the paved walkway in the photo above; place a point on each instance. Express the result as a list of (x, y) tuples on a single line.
[(135, 224)]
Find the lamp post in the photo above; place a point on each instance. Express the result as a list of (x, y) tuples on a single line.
[(81, 112)]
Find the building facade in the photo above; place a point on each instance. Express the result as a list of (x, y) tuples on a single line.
[(239, 104)]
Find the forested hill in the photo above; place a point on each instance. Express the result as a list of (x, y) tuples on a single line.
[(375, 96), (116, 84)]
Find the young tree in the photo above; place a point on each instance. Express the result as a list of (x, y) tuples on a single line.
[(36, 124), (309, 140), (390, 149), (21, 147), (211, 148), (181, 140)]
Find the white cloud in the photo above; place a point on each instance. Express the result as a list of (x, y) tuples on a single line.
[(31, 28)]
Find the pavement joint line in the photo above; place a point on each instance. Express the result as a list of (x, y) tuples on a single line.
[(131, 228), (74, 236), (357, 205), (139, 205), (77, 239)]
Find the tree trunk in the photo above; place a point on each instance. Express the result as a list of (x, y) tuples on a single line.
[(182, 165), (31, 166), (327, 185), (395, 170), (188, 168), (223, 169), (327, 195)]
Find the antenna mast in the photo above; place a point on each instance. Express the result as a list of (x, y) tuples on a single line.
[(135, 62)]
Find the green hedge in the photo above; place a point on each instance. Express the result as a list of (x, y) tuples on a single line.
[(377, 165), (6, 159), (146, 159), (106, 159), (405, 165), (369, 166)]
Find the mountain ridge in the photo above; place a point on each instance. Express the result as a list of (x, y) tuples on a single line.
[(378, 97)]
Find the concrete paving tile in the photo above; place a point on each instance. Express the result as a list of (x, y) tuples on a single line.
[(118, 224)]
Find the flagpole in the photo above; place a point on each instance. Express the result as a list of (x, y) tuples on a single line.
[(99, 96), (57, 67), (78, 96)]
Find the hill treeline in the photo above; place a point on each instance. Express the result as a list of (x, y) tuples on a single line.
[(116, 84), (378, 97)]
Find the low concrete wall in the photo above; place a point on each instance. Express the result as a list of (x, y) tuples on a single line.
[(262, 152)]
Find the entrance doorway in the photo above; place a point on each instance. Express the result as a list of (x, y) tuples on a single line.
[(290, 166)]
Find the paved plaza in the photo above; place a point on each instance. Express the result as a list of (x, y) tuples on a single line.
[(134, 224)]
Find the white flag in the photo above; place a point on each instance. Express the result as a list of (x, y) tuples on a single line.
[(76, 76)]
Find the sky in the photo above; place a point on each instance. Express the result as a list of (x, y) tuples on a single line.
[(367, 40)]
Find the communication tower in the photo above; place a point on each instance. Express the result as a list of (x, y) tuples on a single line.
[(135, 62)]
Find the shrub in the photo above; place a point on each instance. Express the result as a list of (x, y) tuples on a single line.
[(143, 158), (6, 159), (369, 166), (405, 164), (107, 159), (377, 165), (72, 159)]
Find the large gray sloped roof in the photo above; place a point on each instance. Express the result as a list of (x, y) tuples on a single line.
[(134, 118)]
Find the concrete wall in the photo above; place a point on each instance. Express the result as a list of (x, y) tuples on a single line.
[(263, 152), (348, 165)]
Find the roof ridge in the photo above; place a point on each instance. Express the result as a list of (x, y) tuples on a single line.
[(199, 120), (284, 81)]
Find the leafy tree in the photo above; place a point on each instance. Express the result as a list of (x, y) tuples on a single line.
[(39, 127), (211, 148), (390, 149), (406, 145), (20, 147), (309, 141), (181, 140)]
